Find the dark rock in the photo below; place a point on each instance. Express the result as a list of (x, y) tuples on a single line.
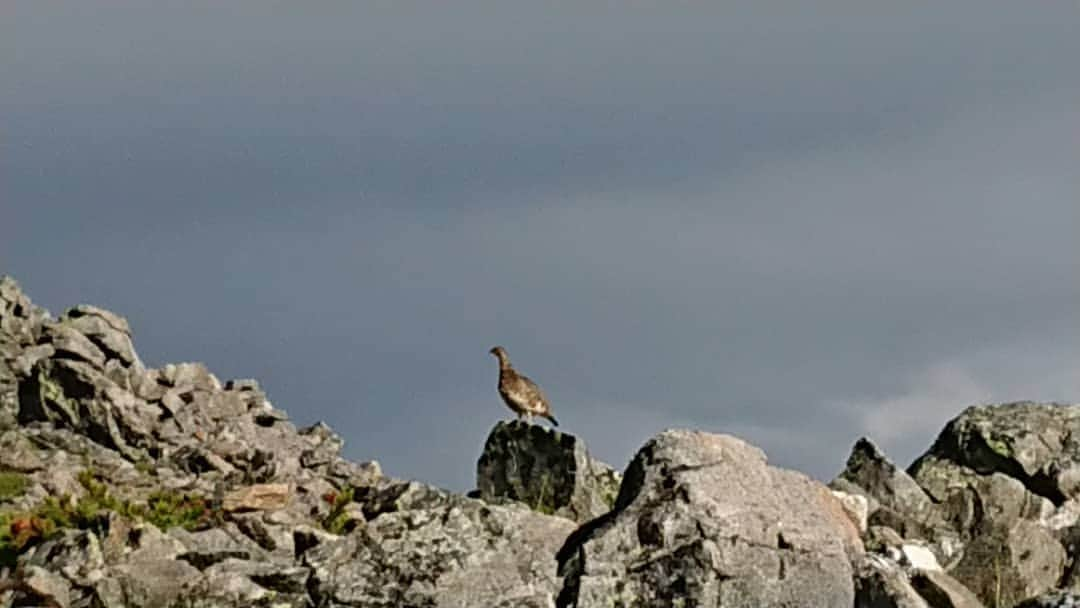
[(550, 471), (1057, 599), (881, 583), (898, 501), (702, 519)]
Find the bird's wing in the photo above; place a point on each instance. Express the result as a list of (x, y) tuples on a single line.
[(533, 396)]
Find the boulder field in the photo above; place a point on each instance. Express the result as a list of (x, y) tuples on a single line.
[(127, 486)]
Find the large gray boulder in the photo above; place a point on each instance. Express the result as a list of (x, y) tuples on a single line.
[(702, 520), (1037, 444), (1004, 478), (1006, 565), (972, 502), (444, 551), (549, 471)]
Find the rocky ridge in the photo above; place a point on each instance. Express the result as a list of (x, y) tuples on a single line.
[(127, 486)]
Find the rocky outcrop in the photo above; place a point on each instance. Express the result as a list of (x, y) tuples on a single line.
[(896, 500), (550, 471), (1037, 444), (995, 498), (702, 519), (128, 486)]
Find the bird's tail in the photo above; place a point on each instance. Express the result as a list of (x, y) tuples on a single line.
[(552, 419)]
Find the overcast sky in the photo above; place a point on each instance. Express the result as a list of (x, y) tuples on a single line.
[(795, 222)]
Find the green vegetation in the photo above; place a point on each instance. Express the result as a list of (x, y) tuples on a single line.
[(12, 485), (337, 521), (1000, 446), (20, 530), (611, 494)]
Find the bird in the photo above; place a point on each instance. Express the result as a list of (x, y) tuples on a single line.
[(521, 394)]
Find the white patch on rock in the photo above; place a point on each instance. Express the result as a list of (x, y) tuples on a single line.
[(857, 508), (918, 557)]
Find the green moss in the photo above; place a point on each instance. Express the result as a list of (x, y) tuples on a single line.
[(49, 391), (611, 494), (12, 485), (1001, 447)]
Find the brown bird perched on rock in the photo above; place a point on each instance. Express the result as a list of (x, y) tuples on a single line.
[(519, 393)]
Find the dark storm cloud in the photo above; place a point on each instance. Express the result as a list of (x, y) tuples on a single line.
[(793, 225)]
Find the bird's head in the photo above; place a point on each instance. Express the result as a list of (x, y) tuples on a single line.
[(499, 352)]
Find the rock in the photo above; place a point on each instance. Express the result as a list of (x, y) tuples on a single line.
[(46, 587), (25, 361), (74, 395), (881, 583), (76, 555), (109, 332), (259, 497), (1004, 566), (702, 519), (205, 548), (308, 537), (918, 557), (324, 446), (236, 582), (1070, 539), (1066, 516), (943, 591), (971, 502), (69, 343), (900, 502), (550, 471), (189, 377), (857, 508), (1057, 599), (1037, 444), (146, 584), (355, 474), (456, 552)]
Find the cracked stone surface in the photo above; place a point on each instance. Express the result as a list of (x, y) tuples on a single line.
[(701, 518)]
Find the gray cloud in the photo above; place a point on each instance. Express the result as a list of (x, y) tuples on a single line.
[(796, 226)]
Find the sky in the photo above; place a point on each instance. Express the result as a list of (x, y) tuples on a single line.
[(798, 223)]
